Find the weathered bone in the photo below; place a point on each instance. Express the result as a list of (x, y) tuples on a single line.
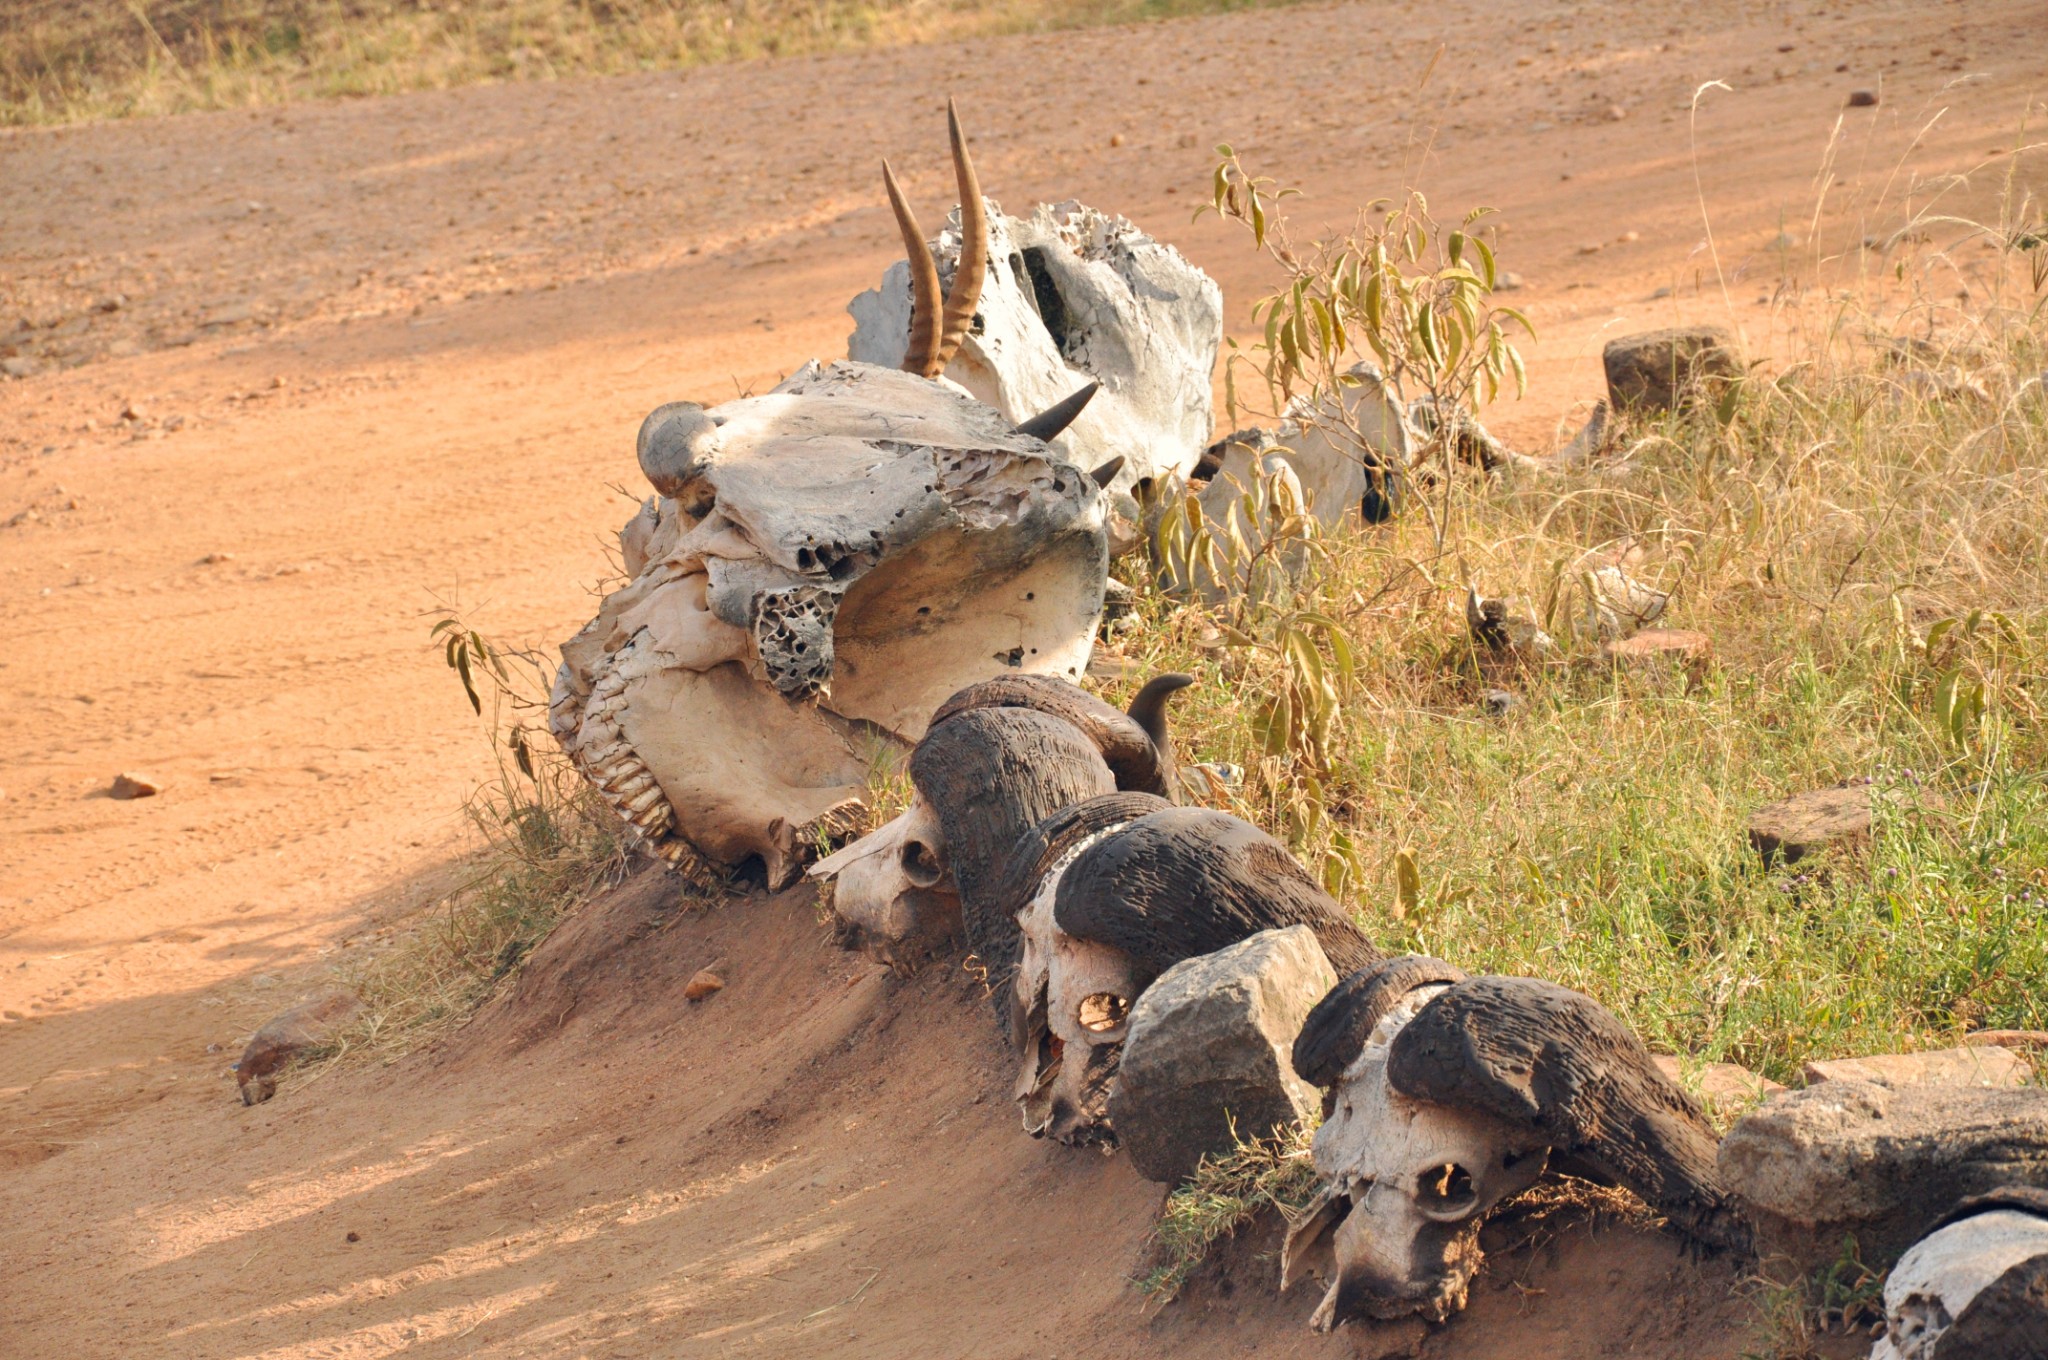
[(1072, 295), (825, 564)]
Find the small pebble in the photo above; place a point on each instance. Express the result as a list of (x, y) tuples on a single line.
[(704, 984), (1615, 113), (1863, 99), (131, 785)]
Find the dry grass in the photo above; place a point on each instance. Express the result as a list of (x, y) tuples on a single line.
[(67, 61)]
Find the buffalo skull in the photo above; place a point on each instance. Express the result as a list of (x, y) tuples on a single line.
[(1444, 1096)]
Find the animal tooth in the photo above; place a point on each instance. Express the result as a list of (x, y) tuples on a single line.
[(632, 785), (642, 801)]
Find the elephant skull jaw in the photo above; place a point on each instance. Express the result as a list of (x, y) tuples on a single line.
[(1407, 1185), (892, 891)]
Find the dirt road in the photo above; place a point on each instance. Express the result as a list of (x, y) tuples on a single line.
[(295, 376)]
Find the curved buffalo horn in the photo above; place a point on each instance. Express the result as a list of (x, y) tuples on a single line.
[(1047, 424), (925, 319), (965, 294), (1337, 1028), (1541, 1056), (1148, 710), (1106, 474), (1126, 747)]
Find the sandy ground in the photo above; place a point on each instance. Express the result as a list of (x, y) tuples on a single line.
[(367, 357)]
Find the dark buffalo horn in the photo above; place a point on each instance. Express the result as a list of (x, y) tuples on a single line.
[(1106, 474), (1148, 710), (1047, 424)]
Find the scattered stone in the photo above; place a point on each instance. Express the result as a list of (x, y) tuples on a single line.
[(353, 1236), (1784, 240), (1116, 139), (1657, 370), (112, 303), (1725, 1088), (20, 366), (233, 314), (1793, 828), (214, 559), (1862, 99), (1207, 1052), (1679, 648), (1589, 248), (1615, 113), (705, 983), (1880, 1162), (133, 411), (1110, 666), (129, 784), (1499, 703), (306, 1025), (1509, 281), (1976, 1065)]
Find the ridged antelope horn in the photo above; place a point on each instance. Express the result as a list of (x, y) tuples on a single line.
[(925, 317), (965, 294), (1047, 424)]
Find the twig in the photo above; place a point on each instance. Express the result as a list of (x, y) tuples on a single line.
[(852, 1298)]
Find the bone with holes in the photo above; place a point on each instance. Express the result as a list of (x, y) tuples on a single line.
[(819, 567)]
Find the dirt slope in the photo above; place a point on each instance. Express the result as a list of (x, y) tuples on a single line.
[(378, 353)]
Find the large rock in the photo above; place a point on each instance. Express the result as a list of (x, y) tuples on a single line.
[(1882, 1163), (1977, 1065), (283, 1038), (1208, 1052), (1657, 370), (1793, 828)]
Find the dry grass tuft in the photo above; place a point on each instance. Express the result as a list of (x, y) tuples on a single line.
[(68, 61)]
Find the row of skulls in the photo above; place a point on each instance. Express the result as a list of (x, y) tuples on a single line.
[(903, 550)]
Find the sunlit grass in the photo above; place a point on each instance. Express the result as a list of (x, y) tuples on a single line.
[(65, 61)]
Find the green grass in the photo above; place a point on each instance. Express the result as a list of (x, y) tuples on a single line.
[(1596, 836), (67, 61)]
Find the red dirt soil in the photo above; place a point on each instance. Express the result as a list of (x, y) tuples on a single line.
[(380, 353)]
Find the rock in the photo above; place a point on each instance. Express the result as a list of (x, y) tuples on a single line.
[(1110, 666), (306, 1025), (705, 983), (1793, 828), (1208, 1052), (1862, 99), (1976, 1065), (1615, 113), (1653, 648), (1656, 370), (1509, 281), (129, 784), (20, 366), (1724, 1088), (233, 314), (1880, 1162)]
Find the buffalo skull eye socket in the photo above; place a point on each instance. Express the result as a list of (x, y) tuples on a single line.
[(1446, 1190), (1103, 1012), (921, 864)]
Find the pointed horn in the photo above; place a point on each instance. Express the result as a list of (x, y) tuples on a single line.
[(965, 294), (1148, 710), (1106, 474), (925, 315), (1048, 424)]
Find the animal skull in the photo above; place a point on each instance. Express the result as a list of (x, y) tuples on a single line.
[(1447, 1094), (824, 563), (1071, 1010), (1407, 1184), (1975, 1286), (1072, 295), (819, 568)]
